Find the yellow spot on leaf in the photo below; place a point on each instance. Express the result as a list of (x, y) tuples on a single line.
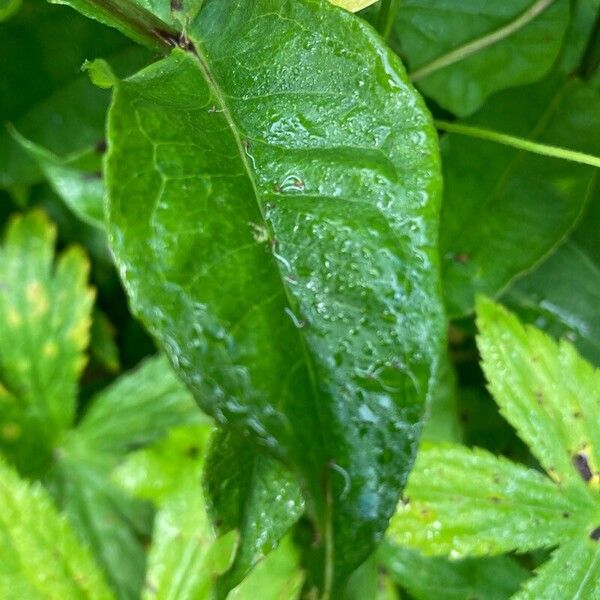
[(50, 349), (37, 298), (13, 317), (10, 432)]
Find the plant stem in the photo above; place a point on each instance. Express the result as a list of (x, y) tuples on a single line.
[(132, 20), (519, 143), (387, 16), (481, 43)]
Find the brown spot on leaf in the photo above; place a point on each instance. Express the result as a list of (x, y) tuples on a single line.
[(463, 258), (580, 462)]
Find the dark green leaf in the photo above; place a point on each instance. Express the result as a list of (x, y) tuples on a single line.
[(462, 51), (275, 228), (250, 492), (429, 578), (506, 209)]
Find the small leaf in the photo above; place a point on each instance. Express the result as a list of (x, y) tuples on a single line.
[(40, 557), (469, 502), (462, 51), (45, 317), (547, 392), (504, 210), (81, 190), (252, 493)]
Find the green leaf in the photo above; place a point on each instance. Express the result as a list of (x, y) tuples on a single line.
[(462, 51), (185, 557), (218, 173), (8, 8), (40, 557), (426, 578), (573, 572), (112, 523), (277, 577), (562, 297), (50, 101), (81, 190), (45, 317), (136, 410), (506, 209), (547, 392), (468, 502), (252, 493), (583, 14)]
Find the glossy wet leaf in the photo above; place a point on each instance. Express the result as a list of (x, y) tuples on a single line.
[(459, 52), (45, 317), (504, 210), (426, 577), (275, 229), (185, 556), (251, 492), (40, 556)]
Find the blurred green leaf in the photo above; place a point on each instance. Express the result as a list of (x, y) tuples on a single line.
[(504, 210), (429, 578), (461, 51), (185, 556), (40, 557), (45, 318)]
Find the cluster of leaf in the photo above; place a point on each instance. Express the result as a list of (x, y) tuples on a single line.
[(259, 183)]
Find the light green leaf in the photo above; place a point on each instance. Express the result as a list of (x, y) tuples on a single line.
[(328, 345), (573, 572), (113, 524), (504, 209), (248, 491), (462, 51), (40, 557), (468, 502), (277, 577), (136, 410), (353, 5), (45, 317), (185, 557), (81, 190), (429, 578), (547, 392)]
